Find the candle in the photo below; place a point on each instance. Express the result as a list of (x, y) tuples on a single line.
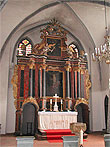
[(93, 56), (96, 51), (61, 101), (50, 101), (99, 51), (81, 137)]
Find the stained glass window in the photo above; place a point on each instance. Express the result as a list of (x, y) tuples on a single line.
[(24, 47)]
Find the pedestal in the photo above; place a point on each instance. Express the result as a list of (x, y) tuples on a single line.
[(55, 108), (70, 141), (78, 129), (25, 141)]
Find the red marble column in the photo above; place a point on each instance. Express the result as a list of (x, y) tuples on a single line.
[(36, 80), (26, 82)]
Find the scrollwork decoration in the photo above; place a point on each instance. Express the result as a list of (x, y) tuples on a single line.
[(88, 84), (30, 100), (14, 81), (79, 101)]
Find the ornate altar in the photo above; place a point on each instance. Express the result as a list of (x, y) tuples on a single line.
[(51, 68)]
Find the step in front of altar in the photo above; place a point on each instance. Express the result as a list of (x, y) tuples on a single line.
[(55, 134)]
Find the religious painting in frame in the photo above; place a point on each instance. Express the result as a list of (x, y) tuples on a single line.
[(54, 83), (55, 49)]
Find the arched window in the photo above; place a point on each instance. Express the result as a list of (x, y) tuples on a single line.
[(24, 47)]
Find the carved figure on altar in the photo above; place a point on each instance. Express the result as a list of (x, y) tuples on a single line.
[(72, 51)]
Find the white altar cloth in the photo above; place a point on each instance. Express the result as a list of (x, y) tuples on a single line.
[(56, 120)]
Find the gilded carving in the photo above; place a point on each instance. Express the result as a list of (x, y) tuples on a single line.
[(77, 69), (32, 63), (53, 67), (48, 48), (38, 47), (82, 71), (22, 67), (31, 100), (88, 84), (72, 52), (53, 28), (44, 66), (68, 66), (15, 103), (14, 81), (79, 101)]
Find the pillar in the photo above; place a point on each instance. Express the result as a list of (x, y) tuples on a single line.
[(78, 84), (26, 82), (44, 86), (36, 80), (31, 67), (108, 120), (68, 84), (72, 86)]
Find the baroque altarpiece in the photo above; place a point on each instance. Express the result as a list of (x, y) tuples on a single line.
[(52, 67)]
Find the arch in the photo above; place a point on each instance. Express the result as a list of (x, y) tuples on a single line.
[(43, 8), (106, 109), (79, 101), (30, 100), (100, 2), (29, 121)]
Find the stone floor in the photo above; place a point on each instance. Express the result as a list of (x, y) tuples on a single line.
[(94, 140)]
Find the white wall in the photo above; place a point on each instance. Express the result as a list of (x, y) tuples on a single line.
[(4, 89)]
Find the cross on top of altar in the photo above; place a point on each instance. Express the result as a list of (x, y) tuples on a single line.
[(56, 96)]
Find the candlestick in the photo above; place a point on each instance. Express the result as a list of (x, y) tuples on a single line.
[(61, 101), (50, 101), (50, 107), (61, 107)]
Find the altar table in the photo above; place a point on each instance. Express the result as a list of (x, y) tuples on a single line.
[(56, 120)]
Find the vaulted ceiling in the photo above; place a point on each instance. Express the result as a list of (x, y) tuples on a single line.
[(83, 19)]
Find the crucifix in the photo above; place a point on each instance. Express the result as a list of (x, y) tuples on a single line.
[(56, 106)]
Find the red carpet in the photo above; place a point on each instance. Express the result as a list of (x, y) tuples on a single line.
[(55, 135)]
